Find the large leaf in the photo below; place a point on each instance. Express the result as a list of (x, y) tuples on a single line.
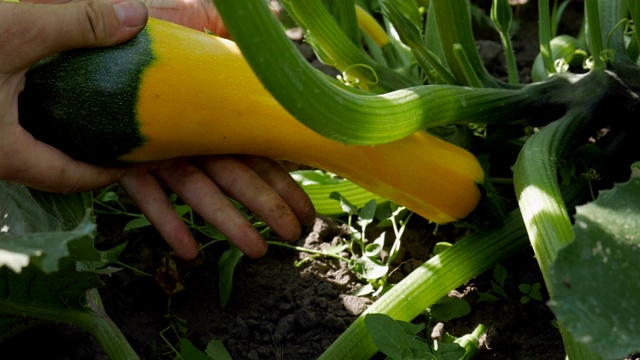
[(21, 213), (595, 280), (49, 266), (58, 290), (42, 230)]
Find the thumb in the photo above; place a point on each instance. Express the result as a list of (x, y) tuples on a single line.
[(31, 32)]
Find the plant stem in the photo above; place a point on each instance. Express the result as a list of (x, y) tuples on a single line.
[(426, 61), (465, 65), (544, 212), (512, 67), (544, 34), (634, 9), (454, 27), (595, 31), (362, 118), (501, 15), (98, 324), (335, 47), (344, 13), (310, 251)]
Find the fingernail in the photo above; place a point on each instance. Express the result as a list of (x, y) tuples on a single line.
[(131, 13)]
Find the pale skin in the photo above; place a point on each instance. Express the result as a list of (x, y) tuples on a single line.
[(34, 29)]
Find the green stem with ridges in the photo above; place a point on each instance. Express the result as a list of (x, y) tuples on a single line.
[(344, 13), (431, 281), (103, 329), (512, 67), (544, 36), (501, 16), (363, 119), (595, 31), (543, 209), (411, 36), (326, 34), (431, 36), (467, 69), (612, 16), (427, 61), (453, 20), (634, 9)]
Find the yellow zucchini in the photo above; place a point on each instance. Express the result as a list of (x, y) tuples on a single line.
[(174, 92)]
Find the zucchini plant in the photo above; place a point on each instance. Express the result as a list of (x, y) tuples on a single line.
[(405, 116), (568, 108)]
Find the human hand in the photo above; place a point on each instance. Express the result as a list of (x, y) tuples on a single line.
[(28, 33), (261, 184), (34, 31)]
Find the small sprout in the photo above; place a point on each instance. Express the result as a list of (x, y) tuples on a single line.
[(530, 292), (496, 291)]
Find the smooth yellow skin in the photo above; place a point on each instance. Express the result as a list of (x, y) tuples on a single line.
[(201, 97)]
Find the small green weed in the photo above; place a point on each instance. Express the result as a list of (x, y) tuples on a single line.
[(367, 258), (530, 292), (496, 292)]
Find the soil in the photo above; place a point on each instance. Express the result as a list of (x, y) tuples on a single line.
[(279, 311)]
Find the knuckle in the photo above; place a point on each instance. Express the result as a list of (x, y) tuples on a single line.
[(96, 22)]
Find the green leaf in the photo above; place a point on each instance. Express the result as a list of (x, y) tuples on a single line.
[(500, 274), (406, 19), (188, 351), (368, 268), (58, 290), (346, 206), (226, 265), (216, 350), (524, 288), (46, 249), (319, 185), (42, 228), (449, 308), (373, 250), (20, 212), (106, 257), (449, 351), (595, 280), (366, 214), (487, 297), (49, 266), (137, 224), (390, 338), (389, 213), (69, 210), (183, 210)]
